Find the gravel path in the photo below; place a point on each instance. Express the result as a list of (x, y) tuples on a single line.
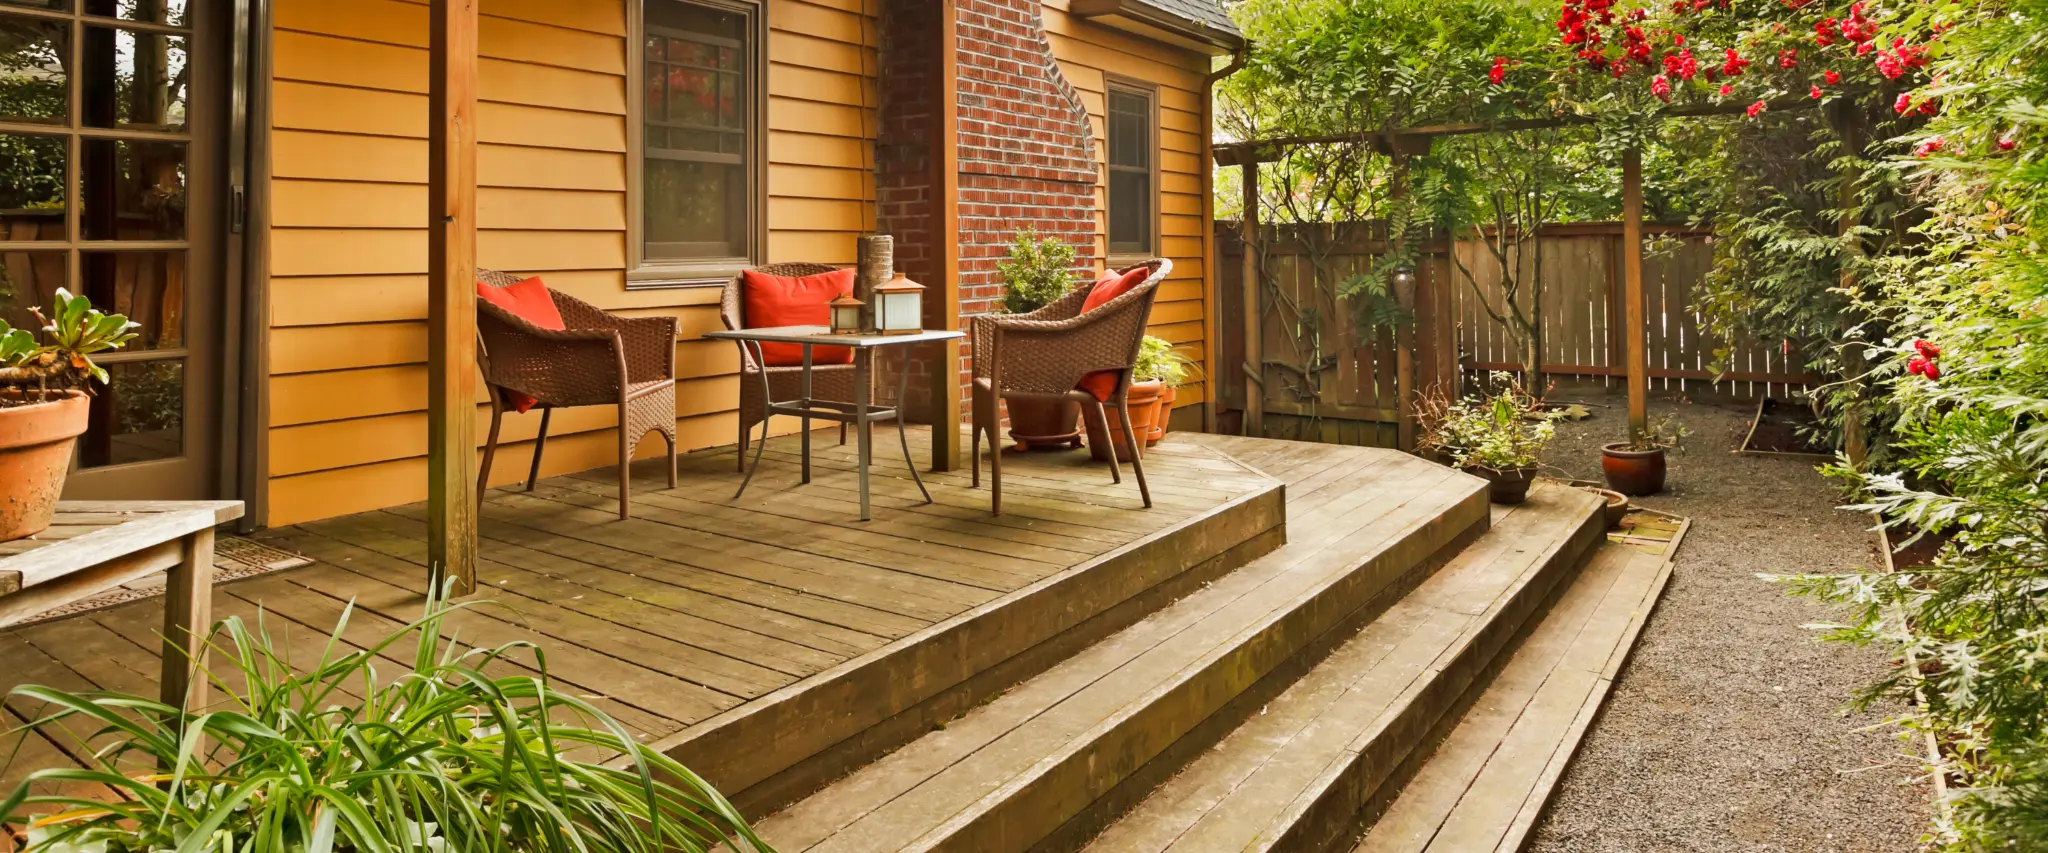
[(1726, 732)]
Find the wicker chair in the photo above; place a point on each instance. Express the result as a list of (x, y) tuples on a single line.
[(598, 360), (1046, 353), (828, 381)]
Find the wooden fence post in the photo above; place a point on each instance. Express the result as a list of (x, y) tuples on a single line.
[(1254, 313), (451, 294), (1632, 287)]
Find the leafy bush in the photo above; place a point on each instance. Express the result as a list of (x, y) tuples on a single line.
[(1502, 432), (440, 757), (1037, 273), (1157, 359)]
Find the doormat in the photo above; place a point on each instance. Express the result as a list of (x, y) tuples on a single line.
[(234, 558)]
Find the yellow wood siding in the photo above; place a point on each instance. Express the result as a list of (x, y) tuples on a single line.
[(347, 427), (1089, 54)]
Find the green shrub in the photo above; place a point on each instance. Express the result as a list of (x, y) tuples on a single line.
[(438, 756), (1037, 273)]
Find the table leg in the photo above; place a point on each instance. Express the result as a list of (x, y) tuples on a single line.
[(767, 414), (807, 417), (902, 431), (188, 615), (863, 365)]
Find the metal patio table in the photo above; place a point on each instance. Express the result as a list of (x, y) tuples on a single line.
[(861, 413)]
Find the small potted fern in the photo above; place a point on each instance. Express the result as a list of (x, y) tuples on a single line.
[(1038, 271), (45, 387)]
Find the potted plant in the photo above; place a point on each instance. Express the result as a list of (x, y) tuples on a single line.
[(1497, 438), (1636, 467), (442, 755), (43, 405), (1156, 372), (1038, 271)]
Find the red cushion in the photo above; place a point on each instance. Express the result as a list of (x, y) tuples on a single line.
[(1102, 383), (528, 300), (778, 300)]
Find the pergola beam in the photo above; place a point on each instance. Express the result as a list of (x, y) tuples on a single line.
[(1632, 292), (451, 294)]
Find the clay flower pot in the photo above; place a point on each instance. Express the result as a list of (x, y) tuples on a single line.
[(1616, 507), (1166, 398), (1505, 487), (35, 456), (1144, 403), (1633, 472), (1044, 424)]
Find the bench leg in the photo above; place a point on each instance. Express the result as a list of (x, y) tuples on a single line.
[(188, 615)]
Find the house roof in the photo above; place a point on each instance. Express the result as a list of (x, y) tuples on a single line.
[(1208, 12)]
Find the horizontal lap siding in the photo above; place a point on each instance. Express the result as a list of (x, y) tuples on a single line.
[(1088, 53), (348, 250)]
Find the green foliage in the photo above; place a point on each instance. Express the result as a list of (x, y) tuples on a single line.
[(1502, 432), (440, 757), (1037, 273), (1157, 359)]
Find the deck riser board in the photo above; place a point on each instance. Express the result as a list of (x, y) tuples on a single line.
[(745, 747)]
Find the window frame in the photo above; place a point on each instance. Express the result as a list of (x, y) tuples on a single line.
[(1125, 253), (642, 272)]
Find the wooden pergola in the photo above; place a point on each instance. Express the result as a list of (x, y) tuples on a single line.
[(1416, 141)]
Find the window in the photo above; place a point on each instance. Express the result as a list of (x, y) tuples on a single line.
[(1133, 169), (700, 144)]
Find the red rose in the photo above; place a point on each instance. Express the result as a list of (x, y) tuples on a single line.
[(1926, 348), (1734, 65), (1816, 93), (1916, 366), (1832, 77), (1755, 109), (2007, 143), (1499, 73), (1933, 371), (1904, 103), (1929, 147), (1660, 86), (1788, 59), (1727, 89)]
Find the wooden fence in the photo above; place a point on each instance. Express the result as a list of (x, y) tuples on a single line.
[(1325, 379)]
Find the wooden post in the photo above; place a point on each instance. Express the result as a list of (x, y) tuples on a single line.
[(188, 616), (1632, 287), (1254, 317), (451, 294), (1404, 334), (945, 161)]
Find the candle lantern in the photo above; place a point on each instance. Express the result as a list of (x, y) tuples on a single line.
[(899, 307), (846, 314)]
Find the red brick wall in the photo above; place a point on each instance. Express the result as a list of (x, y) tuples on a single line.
[(1026, 149)]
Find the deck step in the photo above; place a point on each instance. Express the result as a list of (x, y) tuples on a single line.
[(1052, 760), (1485, 786), (1296, 776)]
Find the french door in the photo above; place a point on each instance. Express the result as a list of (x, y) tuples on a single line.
[(111, 123)]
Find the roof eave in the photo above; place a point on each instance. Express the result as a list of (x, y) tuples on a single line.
[(1144, 19)]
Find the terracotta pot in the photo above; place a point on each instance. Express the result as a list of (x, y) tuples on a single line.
[(1633, 472), (1616, 507), (1144, 403), (1505, 487), (1044, 424), (1166, 398), (35, 456)]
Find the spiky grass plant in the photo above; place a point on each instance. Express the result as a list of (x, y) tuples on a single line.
[(439, 757)]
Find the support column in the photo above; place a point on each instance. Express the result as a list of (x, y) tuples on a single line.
[(945, 163), (1254, 316), (1632, 292), (451, 294)]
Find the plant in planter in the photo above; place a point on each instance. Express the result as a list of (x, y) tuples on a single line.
[(440, 756), (1159, 368), (1636, 467), (43, 404), (1038, 271), (1498, 438)]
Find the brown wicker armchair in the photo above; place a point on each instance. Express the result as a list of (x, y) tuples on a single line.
[(1046, 353), (828, 381), (598, 360)]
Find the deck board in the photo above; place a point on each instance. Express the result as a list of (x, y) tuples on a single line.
[(695, 607)]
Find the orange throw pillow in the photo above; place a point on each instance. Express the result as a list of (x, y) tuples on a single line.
[(1102, 383), (528, 300), (777, 300)]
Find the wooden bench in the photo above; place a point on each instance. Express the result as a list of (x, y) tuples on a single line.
[(94, 546)]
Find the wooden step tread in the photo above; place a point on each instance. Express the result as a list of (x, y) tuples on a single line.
[(1007, 774), (1293, 777), (1484, 788)]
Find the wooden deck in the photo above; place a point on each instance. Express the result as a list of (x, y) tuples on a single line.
[(696, 616)]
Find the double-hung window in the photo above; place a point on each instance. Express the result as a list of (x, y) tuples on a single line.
[(700, 148), (1133, 170)]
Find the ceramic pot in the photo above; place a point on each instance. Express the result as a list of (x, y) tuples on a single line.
[(1166, 398), (1616, 507), (1505, 487), (35, 456), (1633, 472), (1144, 404), (1044, 424)]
